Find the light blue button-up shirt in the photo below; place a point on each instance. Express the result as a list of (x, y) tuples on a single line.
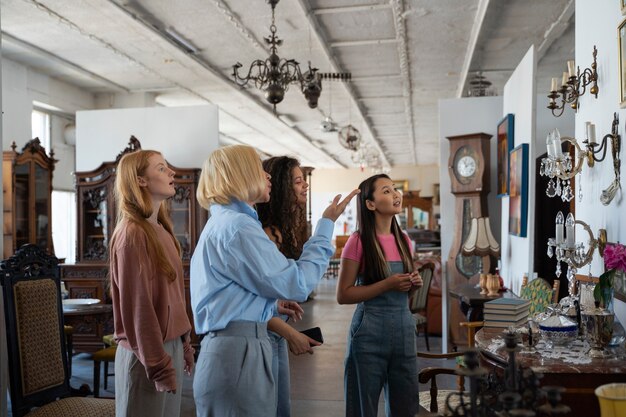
[(237, 272)]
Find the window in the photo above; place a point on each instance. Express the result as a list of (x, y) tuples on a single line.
[(64, 225), (40, 123)]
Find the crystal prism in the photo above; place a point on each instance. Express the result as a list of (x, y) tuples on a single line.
[(550, 190)]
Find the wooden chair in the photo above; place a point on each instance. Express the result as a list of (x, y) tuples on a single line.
[(541, 294), (418, 302), (38, 368), (538, 291), (106, 355), (435, 399)]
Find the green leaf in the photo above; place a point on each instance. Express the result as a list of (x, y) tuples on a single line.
[(605, 281)]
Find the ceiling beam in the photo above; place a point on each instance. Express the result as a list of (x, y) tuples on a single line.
[(350, 9), (405, 70), (479, 19), (340, 44), (337, 68), (373, 78), (65, 63), (556, 29)]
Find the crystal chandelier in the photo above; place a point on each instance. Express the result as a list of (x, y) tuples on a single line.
[(274, 74)]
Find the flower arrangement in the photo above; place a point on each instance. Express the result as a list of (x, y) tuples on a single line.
[(614, 260)]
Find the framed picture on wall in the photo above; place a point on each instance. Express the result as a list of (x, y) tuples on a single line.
[(518, 190), (401, 185), (621, 45), (622, 4), (505, 145)]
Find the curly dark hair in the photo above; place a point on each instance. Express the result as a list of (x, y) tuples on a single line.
[(282, 213)]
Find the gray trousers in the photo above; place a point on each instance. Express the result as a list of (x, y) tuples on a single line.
[(135, 394), (233, 376)]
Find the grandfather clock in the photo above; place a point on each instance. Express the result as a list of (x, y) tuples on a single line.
[(469, 177)]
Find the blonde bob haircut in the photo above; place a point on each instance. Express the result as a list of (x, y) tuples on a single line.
[(134, 205), (231, 173)]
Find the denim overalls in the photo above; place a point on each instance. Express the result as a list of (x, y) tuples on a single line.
[(381, 353)]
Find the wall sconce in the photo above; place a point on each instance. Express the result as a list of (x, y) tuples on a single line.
[(572, 83), (594, 148), (562, 166), (575, 255)]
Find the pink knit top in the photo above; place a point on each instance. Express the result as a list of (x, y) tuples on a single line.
[(148, 308)]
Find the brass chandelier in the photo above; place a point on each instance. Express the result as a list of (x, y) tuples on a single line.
[(273, 75)]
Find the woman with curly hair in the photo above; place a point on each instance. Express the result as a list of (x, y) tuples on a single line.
[(281, 219)]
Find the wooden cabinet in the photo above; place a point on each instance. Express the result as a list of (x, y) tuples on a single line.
[(88, 278), (418, 211), (27, 188)]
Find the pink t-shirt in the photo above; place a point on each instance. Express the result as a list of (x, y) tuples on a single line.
[(353, 249)]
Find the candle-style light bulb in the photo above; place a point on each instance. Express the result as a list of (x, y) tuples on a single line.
[(565, 79), (592, 133), (555, 83), (570, 231), (550, 145), (560, 221), (558, 152), (571, 67)]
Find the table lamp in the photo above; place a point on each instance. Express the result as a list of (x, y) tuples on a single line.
[(480, 240)]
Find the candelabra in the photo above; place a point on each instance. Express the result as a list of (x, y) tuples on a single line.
[(519, 394), (567, 250), (561, 166), (574, 85), (594, 148)]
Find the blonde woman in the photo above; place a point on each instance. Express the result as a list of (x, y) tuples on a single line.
[(147, 289), (237, 276)]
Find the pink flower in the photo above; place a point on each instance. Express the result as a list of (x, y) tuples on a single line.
[(615, 257)]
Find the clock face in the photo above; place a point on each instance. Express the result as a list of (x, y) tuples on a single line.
[(466, 167), (465, 164)]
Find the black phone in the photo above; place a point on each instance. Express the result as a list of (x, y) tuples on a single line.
[(314, 333)]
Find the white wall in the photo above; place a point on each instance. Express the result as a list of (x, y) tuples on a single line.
[(600, 111), (460, 117), (20, 87), (185, 135), (519, 99)]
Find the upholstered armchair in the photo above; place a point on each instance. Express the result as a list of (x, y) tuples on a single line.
[(38, 361)]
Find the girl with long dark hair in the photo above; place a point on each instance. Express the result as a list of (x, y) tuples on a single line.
[(281, 219), (377, 273)]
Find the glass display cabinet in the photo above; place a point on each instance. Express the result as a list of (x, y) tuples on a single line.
[(27, 188), (87, 278)]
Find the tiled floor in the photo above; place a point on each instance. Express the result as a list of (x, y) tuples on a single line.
[(316, 380)]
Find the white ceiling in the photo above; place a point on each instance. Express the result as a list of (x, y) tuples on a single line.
[(404, 55)]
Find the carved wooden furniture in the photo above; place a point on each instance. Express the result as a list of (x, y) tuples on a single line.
[(418, 301), (27, 188), (38, 367), (468, 166), (576, 372), (411, 200), (88, 278)]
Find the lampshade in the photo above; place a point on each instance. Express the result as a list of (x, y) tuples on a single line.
[(480, 241)]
